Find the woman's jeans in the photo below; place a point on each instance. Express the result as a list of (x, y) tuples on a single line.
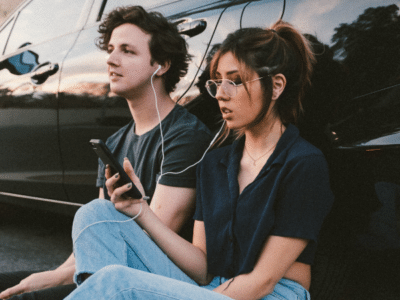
[(127, 264)]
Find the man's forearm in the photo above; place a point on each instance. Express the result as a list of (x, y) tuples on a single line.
[(65, 272), (68, 263), (65, 275)]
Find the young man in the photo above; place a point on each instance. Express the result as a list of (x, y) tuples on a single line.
[(147, 58)]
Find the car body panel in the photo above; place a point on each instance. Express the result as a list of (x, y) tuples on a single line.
[(29, 77), (358, 108), (29, 118)]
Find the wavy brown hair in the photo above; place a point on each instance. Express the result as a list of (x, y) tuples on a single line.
[(166, 44)]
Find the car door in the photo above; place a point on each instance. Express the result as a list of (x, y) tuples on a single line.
[(35, 42)]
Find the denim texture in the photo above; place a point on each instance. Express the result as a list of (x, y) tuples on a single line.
[(103, 236), (127, 264)]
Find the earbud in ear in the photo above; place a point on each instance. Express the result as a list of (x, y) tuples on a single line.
[(155, 72)]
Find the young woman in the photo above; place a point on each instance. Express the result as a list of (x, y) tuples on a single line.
[(260, 201)]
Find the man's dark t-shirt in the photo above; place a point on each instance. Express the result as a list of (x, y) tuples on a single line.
[(185, 140)]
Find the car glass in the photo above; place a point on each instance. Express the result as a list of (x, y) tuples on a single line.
[(42, 20), (111, 4), (356, 82), (22, 63), (4, 35)]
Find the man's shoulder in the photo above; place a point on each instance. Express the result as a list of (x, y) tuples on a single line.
[(113, 139), (181, 121)]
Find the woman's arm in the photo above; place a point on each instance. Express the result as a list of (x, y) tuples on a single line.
[(190, 258), (277, 256)]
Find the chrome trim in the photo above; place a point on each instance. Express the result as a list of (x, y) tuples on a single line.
[(40, 199)]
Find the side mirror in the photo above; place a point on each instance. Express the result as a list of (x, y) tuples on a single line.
[(22, 63)]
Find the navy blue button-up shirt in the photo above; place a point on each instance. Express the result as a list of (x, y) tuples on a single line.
[(290, 197)]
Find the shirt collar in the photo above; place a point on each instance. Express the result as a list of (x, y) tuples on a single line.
[(286, 141), (278, 156)]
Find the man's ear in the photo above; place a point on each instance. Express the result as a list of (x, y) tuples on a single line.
[(278, 85), (164, 68)]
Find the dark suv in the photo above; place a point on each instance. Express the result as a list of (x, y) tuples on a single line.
[(55, 97)]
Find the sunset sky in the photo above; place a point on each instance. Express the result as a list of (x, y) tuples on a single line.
[(6, 6)]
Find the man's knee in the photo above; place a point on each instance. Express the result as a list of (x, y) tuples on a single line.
[(94, 211)]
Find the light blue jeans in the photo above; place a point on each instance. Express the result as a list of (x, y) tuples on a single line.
[(127, 264)]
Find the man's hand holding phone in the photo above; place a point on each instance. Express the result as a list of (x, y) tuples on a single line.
[(118, 194)]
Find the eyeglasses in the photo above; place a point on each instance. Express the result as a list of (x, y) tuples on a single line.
[(230, 88)]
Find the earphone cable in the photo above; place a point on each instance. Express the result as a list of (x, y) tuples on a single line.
[(162, 138)]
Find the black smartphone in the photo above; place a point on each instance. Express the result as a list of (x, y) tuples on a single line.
[(108, 159)]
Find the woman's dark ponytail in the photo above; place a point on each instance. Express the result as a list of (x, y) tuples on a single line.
[(297, 69)]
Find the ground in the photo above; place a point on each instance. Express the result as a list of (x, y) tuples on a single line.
[(33, 240)]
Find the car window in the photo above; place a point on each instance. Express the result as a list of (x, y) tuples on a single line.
[(42, 20), (111, 4), (4, 35)]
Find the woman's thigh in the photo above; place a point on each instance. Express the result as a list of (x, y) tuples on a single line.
[(288, 290), (118, 282)]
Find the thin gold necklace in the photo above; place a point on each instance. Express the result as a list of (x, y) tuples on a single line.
[(255, 160)]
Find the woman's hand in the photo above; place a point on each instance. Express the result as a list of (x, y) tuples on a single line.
[(126, 205)]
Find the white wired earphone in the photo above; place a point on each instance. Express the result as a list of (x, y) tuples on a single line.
[(162, 136), (162, 161)]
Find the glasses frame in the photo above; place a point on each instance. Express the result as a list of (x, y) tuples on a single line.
[(219, 82)]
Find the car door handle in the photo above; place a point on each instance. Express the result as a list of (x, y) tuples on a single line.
[(43, 71), (191, 28)]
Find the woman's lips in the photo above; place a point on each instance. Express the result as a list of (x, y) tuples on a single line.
[(225, 111)]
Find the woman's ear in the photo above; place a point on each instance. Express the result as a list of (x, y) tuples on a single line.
[(278, 85), (163, 68)]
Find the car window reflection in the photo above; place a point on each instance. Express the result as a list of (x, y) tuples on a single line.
[(42, 20), (22, 63), (4, 35)]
